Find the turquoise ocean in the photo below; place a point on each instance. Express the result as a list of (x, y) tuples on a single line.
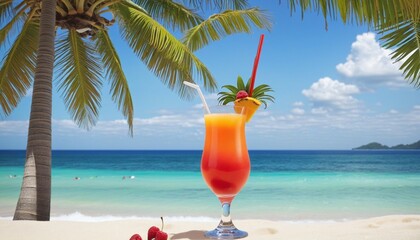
[(283, 185)]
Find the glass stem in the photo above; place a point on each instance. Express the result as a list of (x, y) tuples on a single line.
[(226, 218)]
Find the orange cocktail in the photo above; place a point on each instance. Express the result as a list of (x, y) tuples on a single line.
[(225, 164)]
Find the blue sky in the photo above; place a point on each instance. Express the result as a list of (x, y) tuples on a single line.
[(334, 89)]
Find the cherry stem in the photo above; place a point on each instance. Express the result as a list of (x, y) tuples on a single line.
[(161, 218)]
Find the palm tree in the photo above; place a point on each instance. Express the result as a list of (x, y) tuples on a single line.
[(85, 56), (398, 21)]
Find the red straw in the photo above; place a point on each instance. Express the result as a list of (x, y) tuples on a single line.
[(256, 60)]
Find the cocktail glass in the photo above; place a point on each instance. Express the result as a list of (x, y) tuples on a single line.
[(225, 163)]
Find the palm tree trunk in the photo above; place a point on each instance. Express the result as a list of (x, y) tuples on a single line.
[(35, 195)]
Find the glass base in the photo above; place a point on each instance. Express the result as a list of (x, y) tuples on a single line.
[(226, 232)]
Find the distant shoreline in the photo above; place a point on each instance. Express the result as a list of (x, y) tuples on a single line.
[(379, 146)]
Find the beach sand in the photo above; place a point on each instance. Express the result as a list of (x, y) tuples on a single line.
[(398, 227)]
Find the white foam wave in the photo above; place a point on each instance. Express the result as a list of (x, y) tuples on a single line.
[(79, 217)]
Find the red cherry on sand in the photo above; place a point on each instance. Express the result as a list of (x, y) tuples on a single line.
[(151, 234), (136, 237), (161, 236)]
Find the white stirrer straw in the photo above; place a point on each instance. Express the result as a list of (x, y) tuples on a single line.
[(196, 87)]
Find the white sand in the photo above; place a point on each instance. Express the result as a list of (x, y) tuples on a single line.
[(400, 227)]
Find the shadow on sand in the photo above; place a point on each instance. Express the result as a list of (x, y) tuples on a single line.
[(192, 235)]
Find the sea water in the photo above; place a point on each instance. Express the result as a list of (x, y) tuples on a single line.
[(283, 185)]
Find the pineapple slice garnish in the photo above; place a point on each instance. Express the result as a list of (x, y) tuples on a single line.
[(250, 104), (239, 95)]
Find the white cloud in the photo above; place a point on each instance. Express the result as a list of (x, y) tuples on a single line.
[(172, 121), (298, 111), (167, 123), (13, 128), (332, 94), (212, 96), (164, 111), (298, 104), (319, 110), (198, 106), (325, 131), (266, 130), (371, 64), (211, 100)]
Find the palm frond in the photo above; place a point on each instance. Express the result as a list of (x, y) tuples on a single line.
[(16, 20), (18, 67), (114, 73), (372, 12), (79, 78), (170, 14), (217, 4), (162, 53), (399, 20), (6, 8), (223, 24), (404, 39)]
